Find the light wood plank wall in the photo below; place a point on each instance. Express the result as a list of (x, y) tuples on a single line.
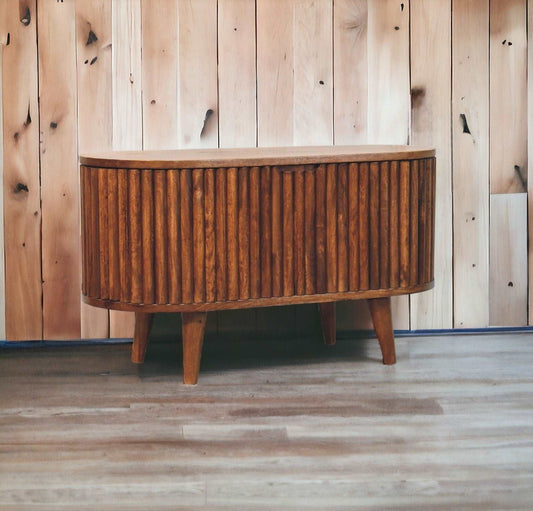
[(84, 75)]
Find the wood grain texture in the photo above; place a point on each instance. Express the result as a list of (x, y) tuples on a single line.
[(275, 57), (350, 71), (470, 103), (508, 259), (431, 124), (159, 74), (312, 72), (61, 252), (508, 96), (127, 104), (22, 209), (324, 427), (95, 110), (301, 242), (197, 71), (236, 73)]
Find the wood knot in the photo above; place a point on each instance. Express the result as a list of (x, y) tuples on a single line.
[(21, 187)]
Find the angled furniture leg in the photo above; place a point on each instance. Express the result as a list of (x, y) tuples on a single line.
[(327, 319), (192, 329), (381, 316), (143, 324)]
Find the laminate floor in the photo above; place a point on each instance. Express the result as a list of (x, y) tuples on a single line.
[(272, 425)]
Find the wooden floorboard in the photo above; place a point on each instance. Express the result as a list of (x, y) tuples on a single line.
[(285, 424)]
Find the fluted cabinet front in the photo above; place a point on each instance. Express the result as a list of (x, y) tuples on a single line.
[(200, 236)]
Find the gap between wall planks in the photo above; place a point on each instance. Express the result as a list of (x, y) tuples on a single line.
[(60, 243), (127, 106), (470, 131), (430, 125), (508, 259), (95, 111), (530, 148), (22, 209), (3, 41)]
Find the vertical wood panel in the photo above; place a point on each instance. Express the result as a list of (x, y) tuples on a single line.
[(353, 226), (404, 197), (255, 233), (148, 235), (236, 73), (388, 107), (187, 261), (134, 232), (198, 235), (274, 59), (3, 41), (384, 229), (299, 231), (124, 252), (103, 240), (374, 206), (221, 235), (266, 232), (277, 230), (364, 226), (331, 228), (95, 110), (210, 205), (430, 125), (159, 74), (232, 233), (59, 170), (530, 147), (350, 71), (342, 224), (113, 238), (244, 233), (22, 210), (508, 259), (413, 227), (310, 257), (470, 107), (394, 224), (174, 242), (161, 214), (127, 106), (508, 96), (313, 72), (287, 226), (320, 229), (197, 73)]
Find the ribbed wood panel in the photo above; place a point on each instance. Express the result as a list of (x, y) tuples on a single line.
[(195, 236)]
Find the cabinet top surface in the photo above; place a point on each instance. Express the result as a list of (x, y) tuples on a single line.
[(254, 156)]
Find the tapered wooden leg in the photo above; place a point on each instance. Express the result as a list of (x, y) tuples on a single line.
[(143, 324), (381, 316), (327, 318), (192, 328)]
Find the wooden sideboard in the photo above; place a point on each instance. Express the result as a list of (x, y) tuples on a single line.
[(193, 231)]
